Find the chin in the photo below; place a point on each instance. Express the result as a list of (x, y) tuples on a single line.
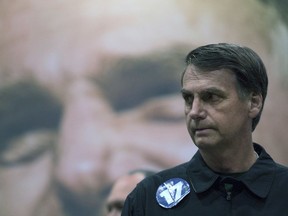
[(204, 143)]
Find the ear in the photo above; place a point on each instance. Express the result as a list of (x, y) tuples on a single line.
[(256, 103)]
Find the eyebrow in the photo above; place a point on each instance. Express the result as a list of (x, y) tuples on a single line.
[(24, 107), (152, 75), (186, 92), (209, 89)]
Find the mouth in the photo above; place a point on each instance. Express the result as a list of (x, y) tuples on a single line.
[(75, 206), (199, 131)]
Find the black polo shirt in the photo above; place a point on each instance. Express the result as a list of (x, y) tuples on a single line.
[(262, 190)]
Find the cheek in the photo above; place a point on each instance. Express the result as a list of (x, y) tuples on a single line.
[(231, 122), (38, 174), (188, 121), (186, 110)]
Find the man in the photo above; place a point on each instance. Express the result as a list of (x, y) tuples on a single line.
[(224, 87), (121, 188)]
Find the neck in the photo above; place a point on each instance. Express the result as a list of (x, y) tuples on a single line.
[(230, 160)]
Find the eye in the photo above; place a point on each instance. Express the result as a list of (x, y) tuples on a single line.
[(27, 148), (211, 97), (188, 98)]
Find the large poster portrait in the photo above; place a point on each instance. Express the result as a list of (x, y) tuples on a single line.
[(90, 90)]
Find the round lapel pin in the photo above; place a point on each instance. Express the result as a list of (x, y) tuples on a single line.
[(171, 192)]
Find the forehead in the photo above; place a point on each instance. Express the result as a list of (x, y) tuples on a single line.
[(196, 78)]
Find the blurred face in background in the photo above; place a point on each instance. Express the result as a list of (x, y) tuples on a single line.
[(120, 190), (62, 145), (88, 94)]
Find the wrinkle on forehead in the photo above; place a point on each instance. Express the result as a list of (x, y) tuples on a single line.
[(217, 76), (194, 73)]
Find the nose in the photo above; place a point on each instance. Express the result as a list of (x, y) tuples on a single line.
[(197, 110), (82, 147)]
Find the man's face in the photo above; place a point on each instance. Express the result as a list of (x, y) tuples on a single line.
[(120, 190), (215, 114)]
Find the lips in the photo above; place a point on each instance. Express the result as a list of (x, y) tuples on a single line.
[(201, 130), (200, 127)]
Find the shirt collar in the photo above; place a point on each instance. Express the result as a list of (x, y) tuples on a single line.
[(201, 176), (260, 176), (258, 179)]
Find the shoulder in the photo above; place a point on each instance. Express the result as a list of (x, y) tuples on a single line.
[(179, 171), (267, 163), (279, 181), (142, 200), (281, 171), (150, 184)]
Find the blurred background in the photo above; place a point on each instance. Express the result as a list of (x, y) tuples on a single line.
[(90, 90)]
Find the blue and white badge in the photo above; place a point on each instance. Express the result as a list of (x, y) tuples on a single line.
[(171, 192)]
